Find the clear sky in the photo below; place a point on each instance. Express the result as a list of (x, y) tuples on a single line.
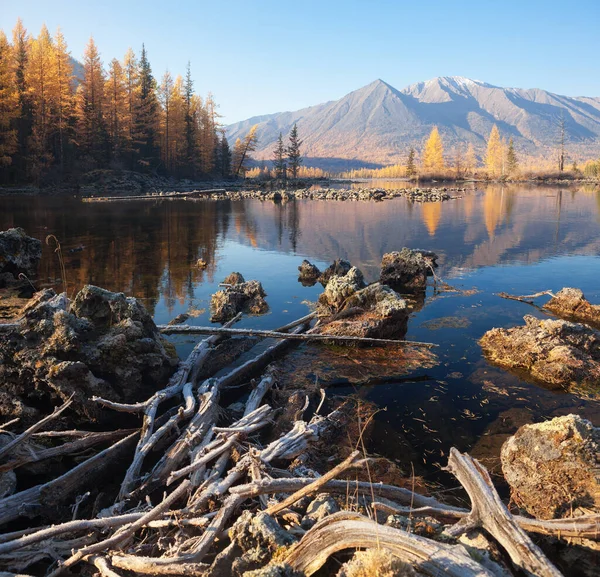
[(263, 56)]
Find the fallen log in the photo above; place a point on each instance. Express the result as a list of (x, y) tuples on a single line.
[(490, 513), (193, 330)]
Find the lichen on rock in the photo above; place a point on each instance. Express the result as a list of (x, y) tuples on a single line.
[(239, 296), (407, 270), (570, 303), (554, 467)]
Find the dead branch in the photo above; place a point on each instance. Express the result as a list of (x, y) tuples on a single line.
[(352, 531), (490, 513), (526, 298)]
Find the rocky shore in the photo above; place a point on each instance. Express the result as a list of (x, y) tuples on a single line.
[(216, 466)]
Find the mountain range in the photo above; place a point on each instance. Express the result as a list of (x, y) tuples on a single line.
[(377, 124)]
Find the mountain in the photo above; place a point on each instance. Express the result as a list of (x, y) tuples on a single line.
[(375, 125)]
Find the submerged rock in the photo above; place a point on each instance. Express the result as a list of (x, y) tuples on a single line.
[(570, 303), (558, 353), (309, 273), (102, 343), (19, 253), (408, 269), (339, 267), (234, 278), (242, 296), (553, 467)]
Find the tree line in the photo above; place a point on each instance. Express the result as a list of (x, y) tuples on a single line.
[(55, 126)]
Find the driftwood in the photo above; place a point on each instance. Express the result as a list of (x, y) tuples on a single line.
[(193, 330), (352, 531), (491, 514), (528, 299)]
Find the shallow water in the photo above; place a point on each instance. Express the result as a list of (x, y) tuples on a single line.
[(517, 239)]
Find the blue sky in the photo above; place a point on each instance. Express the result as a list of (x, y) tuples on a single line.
[(262, 56)]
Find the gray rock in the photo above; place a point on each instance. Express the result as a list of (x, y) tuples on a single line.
[(19, 253), (408, 269), (247, 297), (309, 273)]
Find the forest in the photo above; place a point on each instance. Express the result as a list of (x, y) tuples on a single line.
[(57, 123)]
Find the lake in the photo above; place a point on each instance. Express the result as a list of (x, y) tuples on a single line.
[(519, 239)]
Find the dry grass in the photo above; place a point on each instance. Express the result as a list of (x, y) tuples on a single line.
[(376, 563)]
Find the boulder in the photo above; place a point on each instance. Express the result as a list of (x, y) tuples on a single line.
[(553, 467), (309, 273), (102, 344), (558, 353), (339, 267), (247, 297), (19, 253), (569, 303), (339, 289), (234, 278), (408, 269)]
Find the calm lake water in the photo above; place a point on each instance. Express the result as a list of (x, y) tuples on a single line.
[(518, 239)]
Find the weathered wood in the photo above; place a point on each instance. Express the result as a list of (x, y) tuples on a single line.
[(528, 299), (35, 427), (352, 531), (193, 330), (489, 512), (148, 566)]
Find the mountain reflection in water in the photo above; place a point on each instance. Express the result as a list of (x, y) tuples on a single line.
[(518, 239)]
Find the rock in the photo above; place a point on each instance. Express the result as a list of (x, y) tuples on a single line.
[(100, 344), (376, 562), (339, 267), (259, 536), (234, 278), (19, 253), (247, 297), (554, 467), (179, 319), (339, 289), (408, 269), (560, 354), (384, 314), (274, 570), (569, 303), (309, 273)]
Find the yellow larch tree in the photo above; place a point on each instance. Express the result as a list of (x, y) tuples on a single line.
[(9, 101), (433, 153), (165, 96), (132, 87), (63, 99), (116, 109), (470, 160), (177, 125), (494, 157)]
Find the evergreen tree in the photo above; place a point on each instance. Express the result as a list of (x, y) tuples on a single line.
[(495, 153), (165, 96), (191, 125), (293, 152), (9, 100), (146, 117), (279, 164), (225, 157), (433, 153), (131, 72), (117, 110), (411, 168), (512, 164)]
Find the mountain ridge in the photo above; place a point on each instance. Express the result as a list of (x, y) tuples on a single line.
[(379, 123)]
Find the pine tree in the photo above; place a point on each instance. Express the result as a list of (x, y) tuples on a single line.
[(293, 152), (64, 102), (191, 125), (165, 96), (512, 164), (131, 71), (177, 128), (279, 164), (146, 117), (24, 120), (470, 160), (494, 154), (411, 168), (225, 156), (117, 109), (92, 130), (433, 153), (9, 100)]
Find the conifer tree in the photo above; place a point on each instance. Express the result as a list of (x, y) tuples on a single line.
[(177, 127), (191, 125), (433, 153), (117, 109), (470, 160), (512, 164), (494, 154), (146, 117), (9, 101), (458, 162), (165, 96), (293, 152), (24, 120), (242, 150), (279, 164), (206, 133), (131, 72), (225, 156), (92, 130), (411, 168)]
